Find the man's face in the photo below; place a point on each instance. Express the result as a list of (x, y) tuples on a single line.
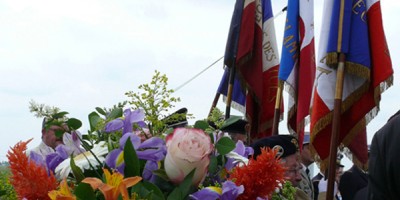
[(49, 137), (339, 172), (306, 156), (293, 166)]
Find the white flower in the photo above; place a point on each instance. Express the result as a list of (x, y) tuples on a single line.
[(240, 160), (83, 160)]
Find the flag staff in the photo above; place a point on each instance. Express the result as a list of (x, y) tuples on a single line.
[(335, 126), (277, 112), (232, 72)]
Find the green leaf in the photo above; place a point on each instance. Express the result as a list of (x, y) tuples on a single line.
[(94, 119), (201, 124), (74, 123), (101, 111), (76, 171), (59, 115), (115, 113), (213, 166), (147, 190), (85, 192), (132, 164), (59, 133), (182, 191), (162, 174), (225, 145)]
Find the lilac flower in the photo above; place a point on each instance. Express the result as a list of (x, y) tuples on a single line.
[(242, 151), (152, 149), (126, 124), (73, 143), (54, 159), (148, 170), (228, 191), (37, 158)]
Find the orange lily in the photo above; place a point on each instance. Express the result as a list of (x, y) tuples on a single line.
[(63, 193), (114, 186)]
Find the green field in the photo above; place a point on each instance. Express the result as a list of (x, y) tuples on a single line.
[(6, 190)]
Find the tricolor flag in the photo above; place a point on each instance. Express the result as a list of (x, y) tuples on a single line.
[(252, 43), (355, 29), (297, 67)]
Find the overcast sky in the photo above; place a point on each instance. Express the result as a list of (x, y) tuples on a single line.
[(78, 55)]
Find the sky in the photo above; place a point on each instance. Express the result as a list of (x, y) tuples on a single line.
[(78, 55)]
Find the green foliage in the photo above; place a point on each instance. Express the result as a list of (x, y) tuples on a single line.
[(6, 189), (156, 101), (225, 145), (184, 189), (287, 192), (132, 165), (216, 117)]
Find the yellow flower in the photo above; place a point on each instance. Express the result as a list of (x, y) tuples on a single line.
[(63, 193), (114, 185)]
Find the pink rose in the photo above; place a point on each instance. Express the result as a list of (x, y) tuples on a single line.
[(187, 149)]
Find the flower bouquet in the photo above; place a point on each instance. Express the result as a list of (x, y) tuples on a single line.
[(128, 153)]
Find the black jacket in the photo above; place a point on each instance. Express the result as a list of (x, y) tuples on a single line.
[(384, 162), (352, 181)]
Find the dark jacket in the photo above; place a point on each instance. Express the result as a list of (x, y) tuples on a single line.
[(351, 181), (384, 162)]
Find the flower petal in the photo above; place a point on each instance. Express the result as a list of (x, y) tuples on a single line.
[(114, 125), (131, 181), (93, 182), (134, 139)]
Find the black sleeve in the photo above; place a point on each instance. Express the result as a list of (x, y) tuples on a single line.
[(316, 189), (347, 186)]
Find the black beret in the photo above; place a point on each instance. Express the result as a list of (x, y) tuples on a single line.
[(176, 119), (234, 125), (286, 145)]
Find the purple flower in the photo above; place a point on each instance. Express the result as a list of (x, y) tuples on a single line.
[(152, 149), (54, 159), (148, 170), (126, 124), (209, 193), (228, 191), (72, 143), (37, 158), (240, 149)]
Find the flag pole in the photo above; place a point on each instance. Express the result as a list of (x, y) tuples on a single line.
[(230, 90), (215, 102), (277, 112), (335, 126)]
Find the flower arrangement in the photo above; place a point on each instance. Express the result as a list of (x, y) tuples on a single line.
[(129, 153)]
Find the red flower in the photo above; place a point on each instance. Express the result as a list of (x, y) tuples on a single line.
[(260, 177), (29, 179)]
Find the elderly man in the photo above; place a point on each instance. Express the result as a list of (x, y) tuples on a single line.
[(288, 150), (306, 160), (49, 140)]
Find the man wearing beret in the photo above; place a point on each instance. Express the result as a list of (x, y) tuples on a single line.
[(237, 128), (288, 150), (306, 160)]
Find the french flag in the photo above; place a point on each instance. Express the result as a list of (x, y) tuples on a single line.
[(261, 72), (355, 29), (252, 44), (297, 67)]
